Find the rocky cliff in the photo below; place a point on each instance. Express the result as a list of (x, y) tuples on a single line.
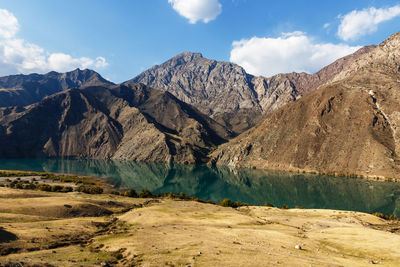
[(350, 125), (227, 93), (132, 122)]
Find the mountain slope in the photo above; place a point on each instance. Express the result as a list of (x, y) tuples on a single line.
[(347, 126), (24, 90), (132, 122), (227, 93)]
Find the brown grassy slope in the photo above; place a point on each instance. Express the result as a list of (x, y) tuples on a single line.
[(39, 230), (348, 126)]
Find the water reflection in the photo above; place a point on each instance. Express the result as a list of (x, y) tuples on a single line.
[(246, 185)]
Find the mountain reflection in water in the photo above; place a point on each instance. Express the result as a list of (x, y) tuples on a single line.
[(252, 186)]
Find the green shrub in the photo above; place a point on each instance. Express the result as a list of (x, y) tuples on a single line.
[(29, 186), (229, 203), (269, 204), (284, 207), (130, 193), (89, 189), (56, 188), (67, 189), (145, 194), (44, 187), (115, 193)]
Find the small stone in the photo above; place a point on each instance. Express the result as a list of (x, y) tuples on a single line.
[(297, 247), (370, 261)]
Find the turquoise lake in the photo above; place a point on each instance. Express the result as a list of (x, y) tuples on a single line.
[(252, 186)]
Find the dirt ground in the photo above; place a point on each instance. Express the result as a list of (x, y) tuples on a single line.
[(76, 229)]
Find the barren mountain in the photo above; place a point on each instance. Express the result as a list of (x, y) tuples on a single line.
[(132, 122), (227, 93), (24, 90), (347, 126)]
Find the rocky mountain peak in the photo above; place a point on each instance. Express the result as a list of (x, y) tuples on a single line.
[(188, 56)]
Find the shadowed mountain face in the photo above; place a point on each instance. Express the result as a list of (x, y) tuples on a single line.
[(227, 93), (22, 90), (350, 125), (132, 122)]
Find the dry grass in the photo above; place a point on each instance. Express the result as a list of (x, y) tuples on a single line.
[(180, 233)]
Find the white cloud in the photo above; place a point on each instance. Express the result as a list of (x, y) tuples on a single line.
[(8, 24), (20, 56), (359, 23), (197, 10), (290, 52), (100, 62)]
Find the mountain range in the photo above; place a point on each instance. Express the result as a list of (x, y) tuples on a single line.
[(226, 93), (22, 90), (342, 119)]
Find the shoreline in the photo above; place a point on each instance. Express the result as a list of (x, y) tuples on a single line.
[(85, 183)]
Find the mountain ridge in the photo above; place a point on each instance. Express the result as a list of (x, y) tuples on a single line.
[(347, 126), (22, 90), (131, 122), (225, 92)]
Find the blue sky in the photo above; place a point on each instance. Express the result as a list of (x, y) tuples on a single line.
[(122, 38)]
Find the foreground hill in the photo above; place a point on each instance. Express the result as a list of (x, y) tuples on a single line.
[(22, 90), (132, 122), (76, 229), (228, 94), (347, 126)]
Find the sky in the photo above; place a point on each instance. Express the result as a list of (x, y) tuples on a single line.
[(120, 39)]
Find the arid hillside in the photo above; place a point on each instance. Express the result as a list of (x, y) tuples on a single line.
[(132, 122), (349, 126)]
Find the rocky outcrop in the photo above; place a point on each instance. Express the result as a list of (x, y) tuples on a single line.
[(22, 90), (227, 93), (132, 122), (349, 126)]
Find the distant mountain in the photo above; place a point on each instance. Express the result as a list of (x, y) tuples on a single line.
[(350, 125), (132, 122), (22, 90), (227, 93)]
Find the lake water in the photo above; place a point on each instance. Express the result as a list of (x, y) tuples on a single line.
[(255, 187)]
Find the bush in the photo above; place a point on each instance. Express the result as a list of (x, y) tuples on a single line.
[(115, 193), (284, 207), (44, 187), (56, 188), (182, 195), (67, 189), (89, 189), (229, 203), (130, 193), (145, 194), (269, 204), (29, 186), (385, 217)]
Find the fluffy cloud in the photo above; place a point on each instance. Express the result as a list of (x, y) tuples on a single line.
[(289, 52), (8, 24), (197, 10), (359, 23), (20, 56)]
